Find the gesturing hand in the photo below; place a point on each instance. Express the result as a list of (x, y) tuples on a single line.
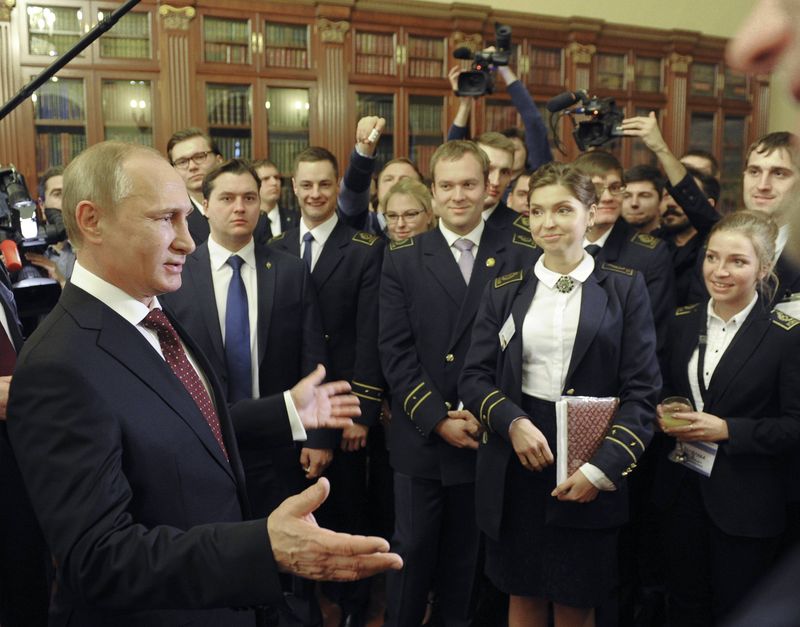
[(368, 132), (647, 129), (303, 548), (530, 445), (324, 405)]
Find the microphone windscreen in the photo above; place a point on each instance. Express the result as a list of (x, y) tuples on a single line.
[(562, 101), (462, 53)]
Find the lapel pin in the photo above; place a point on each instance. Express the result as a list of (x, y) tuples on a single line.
[(269, 265), (490, 262)]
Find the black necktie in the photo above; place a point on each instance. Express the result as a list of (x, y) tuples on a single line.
[(592, 249), (307, 238), (237, 336)]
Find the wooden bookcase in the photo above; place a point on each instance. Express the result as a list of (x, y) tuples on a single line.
[(268, 77)]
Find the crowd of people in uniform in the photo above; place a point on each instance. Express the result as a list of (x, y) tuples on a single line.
[(460, 305)]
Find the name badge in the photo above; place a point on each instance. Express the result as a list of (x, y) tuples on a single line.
[(699, 456), (507, 332)]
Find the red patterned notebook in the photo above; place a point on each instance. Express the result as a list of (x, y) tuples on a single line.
[(581, 424)]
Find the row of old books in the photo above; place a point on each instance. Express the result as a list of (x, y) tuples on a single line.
[(499, 117), (58, 147), (426, 47), (282, 151), (226, 53), (60, 100), (283, 57), (383, 107), (125, 47), (234, 147), (219, 29), (426, 69), (375, 43), (288, 35), (228, 105), (425, 118), (375, 65)]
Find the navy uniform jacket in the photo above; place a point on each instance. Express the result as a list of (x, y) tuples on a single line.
[(651, 257), (505, 218), (346, 277), (290, 345), (138, 504), (426, 320), (263, 232), (614, 355), (756, 389)]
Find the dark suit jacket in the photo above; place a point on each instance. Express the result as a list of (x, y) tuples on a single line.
[(138, 504), (506, 219), (263, 233), (650, 256), (290, 345), (756, 389), (426, 320), (198, 226), (613, 355), (346, 277)]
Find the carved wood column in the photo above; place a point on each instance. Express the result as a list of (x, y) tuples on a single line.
[(15, 147), (579, 65), (333, 114), (677, 83), (178, 70)]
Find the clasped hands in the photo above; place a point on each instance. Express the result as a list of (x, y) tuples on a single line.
[(702, 427), (460, 429), (534, 454)]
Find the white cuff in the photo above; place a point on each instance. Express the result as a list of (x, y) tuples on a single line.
[(361, 154), (597, 478), (298, 432)]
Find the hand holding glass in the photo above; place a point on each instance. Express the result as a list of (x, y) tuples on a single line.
[(674, 405)]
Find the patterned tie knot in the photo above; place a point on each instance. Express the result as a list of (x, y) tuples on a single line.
[(235, 262), (565, 284), (156, 320), (308, 237), (464, 245)]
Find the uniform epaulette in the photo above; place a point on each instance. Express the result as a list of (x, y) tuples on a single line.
[(401, 243), (612, 267), (682, 311), (523, 223), (646, 240), (511, 277), (365, 238), (523, 240), (278, 237), (784, 320)]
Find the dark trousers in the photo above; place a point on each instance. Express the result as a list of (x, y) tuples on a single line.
[(708, 572), (24, 558), (436, 535)]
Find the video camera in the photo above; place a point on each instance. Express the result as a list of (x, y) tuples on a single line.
[(34, 295), (480, 80), (604, 117)]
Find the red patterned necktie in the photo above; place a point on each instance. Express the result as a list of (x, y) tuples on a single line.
[(176, 358)]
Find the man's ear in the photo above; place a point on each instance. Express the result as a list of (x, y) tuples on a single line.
[(88, 216)]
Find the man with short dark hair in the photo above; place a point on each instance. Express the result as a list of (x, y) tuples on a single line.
[(644, 186), (128, 453), (345, 269), (701, 160), (430, 290), (500, 150), (274, 219), (193, 153)]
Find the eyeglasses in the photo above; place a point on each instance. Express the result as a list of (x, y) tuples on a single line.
[(199, 158), (615, 189), (393, 218)]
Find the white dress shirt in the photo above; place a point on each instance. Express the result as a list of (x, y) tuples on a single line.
[(601, 241), (719, 336), (321, 233), (548, 338), (780, 242), (274, 217), (473, 236), (198, 206)]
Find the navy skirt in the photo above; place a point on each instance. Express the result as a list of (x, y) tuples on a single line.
[(569, 566)]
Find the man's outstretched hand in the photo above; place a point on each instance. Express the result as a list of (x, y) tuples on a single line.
[(324, 405), (303, 548)]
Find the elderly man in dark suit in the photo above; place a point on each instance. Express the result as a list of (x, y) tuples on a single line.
[(128, 454)]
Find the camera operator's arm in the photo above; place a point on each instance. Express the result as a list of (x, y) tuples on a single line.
[(48, 265), (458, 129), (680, 184), (354, 190), (535, 131)]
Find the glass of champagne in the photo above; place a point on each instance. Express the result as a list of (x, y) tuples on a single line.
[(670, 406)]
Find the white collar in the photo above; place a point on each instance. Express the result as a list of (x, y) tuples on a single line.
[(219, 255), (110, 295), (321, 232), (581, 272), (601, 241), (198, 206), (473, 236), (736, 320)]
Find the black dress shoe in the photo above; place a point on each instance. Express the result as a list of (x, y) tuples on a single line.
[(353, 619)]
